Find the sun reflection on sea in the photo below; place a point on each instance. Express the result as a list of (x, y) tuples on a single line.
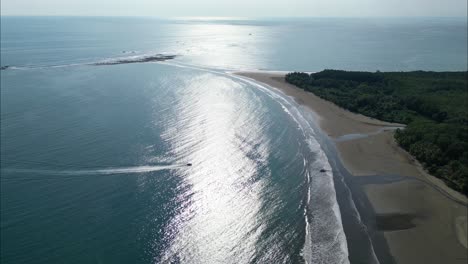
[(223, 45), (215, 131)]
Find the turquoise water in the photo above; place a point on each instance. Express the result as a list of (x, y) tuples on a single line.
[(94, 158)]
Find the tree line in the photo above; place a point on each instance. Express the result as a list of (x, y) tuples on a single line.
[(433, 105)]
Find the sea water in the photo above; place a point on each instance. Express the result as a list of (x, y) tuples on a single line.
[(94, 157)]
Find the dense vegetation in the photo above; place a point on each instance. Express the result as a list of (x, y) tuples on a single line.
[(432, 104)]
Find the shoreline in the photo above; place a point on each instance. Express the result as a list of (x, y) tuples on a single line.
[(421, 219)]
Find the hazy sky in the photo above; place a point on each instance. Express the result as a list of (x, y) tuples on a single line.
[(244, 8)]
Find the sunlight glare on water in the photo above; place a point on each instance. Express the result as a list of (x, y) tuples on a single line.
[(225, 45), (214, 129)]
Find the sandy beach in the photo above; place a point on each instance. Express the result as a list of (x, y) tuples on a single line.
[(422, 220)]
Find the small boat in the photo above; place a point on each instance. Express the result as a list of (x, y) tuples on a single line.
[(189, 164)]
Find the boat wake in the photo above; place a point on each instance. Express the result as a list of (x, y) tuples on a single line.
[(107, 171)]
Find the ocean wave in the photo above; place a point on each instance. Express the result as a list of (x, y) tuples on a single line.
[(324, 228), (323, 214)]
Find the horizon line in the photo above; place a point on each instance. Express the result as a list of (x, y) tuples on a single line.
[(222, 17)]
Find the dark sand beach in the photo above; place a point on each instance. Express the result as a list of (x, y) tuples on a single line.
[(421, 219)]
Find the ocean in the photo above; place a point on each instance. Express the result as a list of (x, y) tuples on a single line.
[(96, 141)]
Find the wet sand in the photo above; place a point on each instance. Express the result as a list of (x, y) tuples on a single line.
[(422, 220)]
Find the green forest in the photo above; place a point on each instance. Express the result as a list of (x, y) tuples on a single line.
[(433, 105)]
